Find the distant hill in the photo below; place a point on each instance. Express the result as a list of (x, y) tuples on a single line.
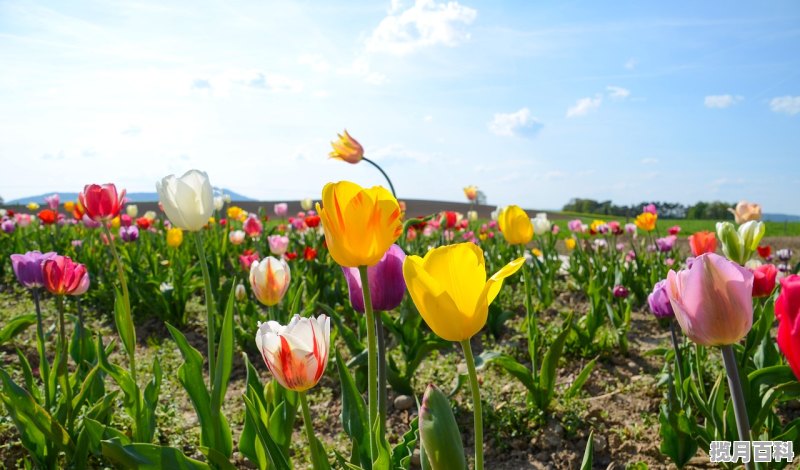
[(780, 217), (132, 197)]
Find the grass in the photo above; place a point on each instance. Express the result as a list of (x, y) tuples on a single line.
[(774, 229)]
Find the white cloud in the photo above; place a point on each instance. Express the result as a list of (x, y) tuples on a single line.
[(361, 68), (721, 101), (519, 123), (649, 161), (584, 106), (618, 92), (396, 152), (427, 23), (315, 61), (785, 104), (631, 63)]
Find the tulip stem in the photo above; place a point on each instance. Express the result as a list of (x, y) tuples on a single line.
[(61, 368), (382, 393), (476, 403), (210, 320), (372, 363), (309, 425), (678, 357), (391, 186), (735, 385), (44, 366), (126, 300)]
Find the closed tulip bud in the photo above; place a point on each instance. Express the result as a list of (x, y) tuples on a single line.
[(240, 293), (751, 234), (8, 226), (787, 311), (515, 225), (129, 234), (28, 267), (658, 301), (360, 224), (620, 291), (32, 206), (295, 354), (281, 209), (570, 243), (732, 244), (174, 237), (541, 224), (278, 244), (69, 206), (471, 192), (252, 226), (53, 201), (495, 215), (450, 289), (472, 216), (702, 242), (746, 212), (439, 433), (219, 201), (386, 282), (712, 300), (101, 202), (62, 276), (347, 149), (307, 204), (188, 201), (132, 210), (764, 280), (269, 280), (236, 237)]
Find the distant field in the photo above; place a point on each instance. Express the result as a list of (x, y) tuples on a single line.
[(774, 229)]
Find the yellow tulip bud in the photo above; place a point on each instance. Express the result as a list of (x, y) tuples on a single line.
[(174, 237), (450, 289), (115, 222), (69, 206), (360, 224), (515, 225), (570, 243)]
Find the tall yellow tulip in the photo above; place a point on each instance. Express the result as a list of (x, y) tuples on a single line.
[(450, 289), (515, 225), (360, 224), (451, 292), (174, 237)]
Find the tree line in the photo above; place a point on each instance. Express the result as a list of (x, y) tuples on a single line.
[(717, 210)]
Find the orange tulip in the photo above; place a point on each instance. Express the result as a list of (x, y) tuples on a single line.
[(347, 149), (646, 221), (703, 242)]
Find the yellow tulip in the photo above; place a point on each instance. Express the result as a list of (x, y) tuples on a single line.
[(471, 192), (450, 289), (536, 252), (347, 149), (115, 222), (235, 212), (646, 221), (174, 237), (515, 225), (69, 206), (570, 243), (360, 224), (32, 206)]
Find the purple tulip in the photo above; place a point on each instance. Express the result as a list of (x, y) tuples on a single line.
[(386, 282), (620, 291), (575, 225), (8, 226), (666, 244), (659, 302), (53, 201), (630, 229), (784, 254), (28, 267), (129, 234)]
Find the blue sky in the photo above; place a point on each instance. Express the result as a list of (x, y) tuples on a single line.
[(534, 102)]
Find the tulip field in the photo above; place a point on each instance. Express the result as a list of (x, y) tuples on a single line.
[(356, 334)]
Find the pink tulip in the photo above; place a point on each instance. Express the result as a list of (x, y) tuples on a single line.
[(296, 354), (712, 300), (278, 244), (236, 237), (53, 201), (253, 226), (281, 209), (23, 220)]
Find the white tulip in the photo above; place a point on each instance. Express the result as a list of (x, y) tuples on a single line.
[(307, 204), (540, 224), (188, 201), (132, 210), (219, 201)]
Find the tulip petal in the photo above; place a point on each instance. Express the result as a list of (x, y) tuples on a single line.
[(435, 304), (493, 285), (460, 269)]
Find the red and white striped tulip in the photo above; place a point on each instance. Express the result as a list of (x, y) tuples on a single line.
[(297, 353)]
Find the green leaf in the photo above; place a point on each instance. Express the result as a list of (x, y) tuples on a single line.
[(581, 379), (214, 433), (148, 457), (547, 376), (15, 326), (512, 366), (588, 454), (276, 458), (354, 413), (124, 323), (401, 454)]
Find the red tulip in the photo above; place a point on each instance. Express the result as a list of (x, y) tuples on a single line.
[(674, 230), (449, 219), (62, 276), (143, 223), (764, 251), (101, 202), (312, 221), (787, 311), (703, 242), (764, 280), (290, 255), (47, 216), (309, 253)]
